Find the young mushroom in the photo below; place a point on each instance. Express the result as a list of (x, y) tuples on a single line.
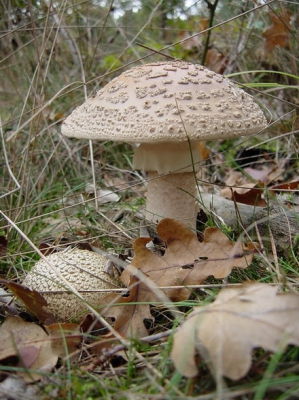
[(167, 107), (85, 270)]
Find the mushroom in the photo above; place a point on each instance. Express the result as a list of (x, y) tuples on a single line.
[(167, 107), (85, 270)]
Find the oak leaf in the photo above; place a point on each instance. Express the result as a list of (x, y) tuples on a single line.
[(64, 337), (32, 348), (130, 313), (278, 33), (186, 262), (239, 320)]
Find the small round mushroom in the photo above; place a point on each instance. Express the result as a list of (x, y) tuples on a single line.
[(84, 270), (167, 107)]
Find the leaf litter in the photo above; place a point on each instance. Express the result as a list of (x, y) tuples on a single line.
[(33, 349), (186, 262), (225, 332)]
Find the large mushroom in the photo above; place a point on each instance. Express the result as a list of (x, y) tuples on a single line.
[(86, 271), (167, 107)]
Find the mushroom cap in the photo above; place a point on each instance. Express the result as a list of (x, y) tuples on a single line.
[(166, 101), (84, 270)]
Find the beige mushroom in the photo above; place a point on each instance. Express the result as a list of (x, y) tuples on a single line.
[(168, 107), (85, 270)]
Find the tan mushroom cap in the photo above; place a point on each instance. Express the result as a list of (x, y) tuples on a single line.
[(84, 270), (166, 101)]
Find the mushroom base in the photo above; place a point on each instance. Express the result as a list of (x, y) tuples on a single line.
[(172, 196)]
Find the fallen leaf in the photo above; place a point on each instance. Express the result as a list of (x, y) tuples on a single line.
[(186, 261), (216, 61), (90, 323), (260, 174), (204, 151), (30, 344), (65, 338), (33, 301), (132, 310), (34, 349), (250, 194), (278, 33), (251, 197), (54, 227), (235, 178), (189, 42), (103, 195), (239, 320), (288, 187)]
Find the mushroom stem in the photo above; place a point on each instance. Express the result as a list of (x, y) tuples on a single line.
[(165, 157), (172, 196)]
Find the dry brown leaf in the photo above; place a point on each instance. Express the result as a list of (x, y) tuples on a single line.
[(251, 197), (240, 319), (33, 301), (286, 187), (216, 61), (203, 24), (278, 33), (30, 344), (235, 178), (32, 348), (186, 262), (204, 151), (189, 42), (65, 338), (261, 174), (250, 194), (129, 315)]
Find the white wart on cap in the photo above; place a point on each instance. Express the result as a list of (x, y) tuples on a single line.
[(84, 270), (168, 107)]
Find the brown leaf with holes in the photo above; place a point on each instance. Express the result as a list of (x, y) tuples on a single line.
[(225, 332), (130, 314), (278, 33), (186, 261), (33, 301)]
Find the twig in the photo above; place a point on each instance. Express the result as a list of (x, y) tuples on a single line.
[(212, 8)]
